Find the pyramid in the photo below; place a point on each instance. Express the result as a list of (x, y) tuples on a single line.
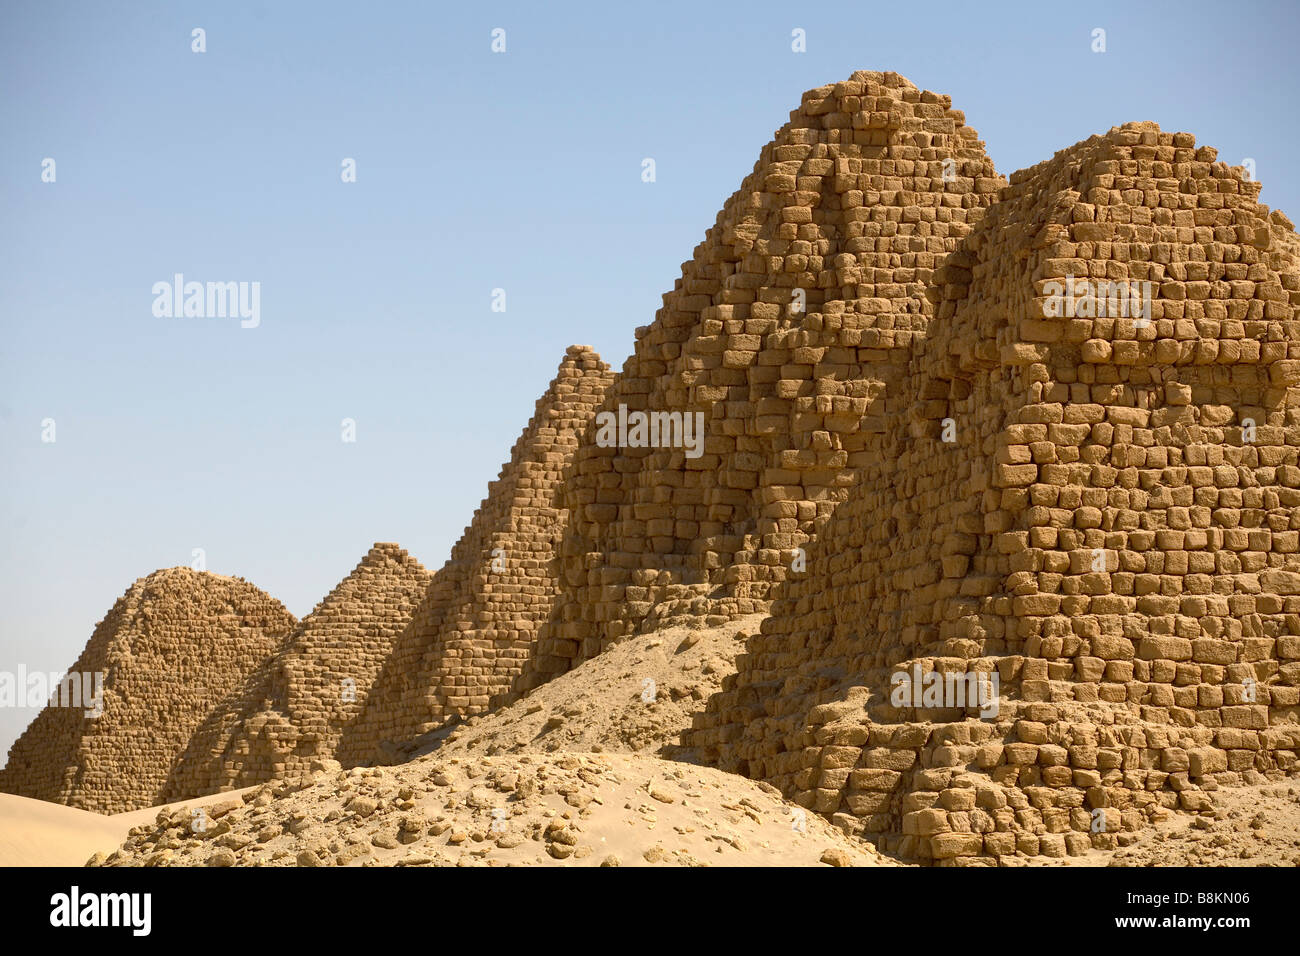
[(477, 625), (1096, 509), (789, 333), (1013, 466), (169, 649), (293, 709)]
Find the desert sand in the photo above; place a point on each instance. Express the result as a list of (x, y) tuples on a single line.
[(577, 773), (40, 833), (587, 770)]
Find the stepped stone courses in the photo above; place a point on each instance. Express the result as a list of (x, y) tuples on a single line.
[(1104, 532), (293, 710), (1109, 527), (170, 648), (853, 205), (476, 627)]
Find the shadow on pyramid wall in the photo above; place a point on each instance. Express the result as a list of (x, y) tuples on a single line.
[(1109, 529)]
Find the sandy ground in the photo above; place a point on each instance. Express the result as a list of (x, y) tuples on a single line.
[(584, 771), (638, 695), (37, 833), (528, 809), (1252, 826)]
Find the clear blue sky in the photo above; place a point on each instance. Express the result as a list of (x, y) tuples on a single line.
[(475, 171)]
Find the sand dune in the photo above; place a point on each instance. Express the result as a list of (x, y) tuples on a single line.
[(38, 833), (568, 809)]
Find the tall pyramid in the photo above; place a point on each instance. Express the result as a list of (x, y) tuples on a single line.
[(790, 331), (477, 625), (169, 649), (295, 707), (1097, 508)]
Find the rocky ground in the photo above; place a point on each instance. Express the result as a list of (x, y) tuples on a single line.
[(1252, 826), (636, 696), (520, 809), (572, 774), (587, 771)]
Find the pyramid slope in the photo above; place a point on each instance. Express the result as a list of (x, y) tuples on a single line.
[(789, 332), (170, 648), (1112, 532), (476, 627), (294, 708)]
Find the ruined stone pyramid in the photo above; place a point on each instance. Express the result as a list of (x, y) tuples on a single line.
[(294, 708), (790, 331), (476, 627), (1098, 510), (170, 648), (960, 435)]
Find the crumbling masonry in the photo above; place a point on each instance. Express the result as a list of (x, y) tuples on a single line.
[(918, 457), (476, 627), (1112, 530), (170, 648), (791, 329), (293, 710)]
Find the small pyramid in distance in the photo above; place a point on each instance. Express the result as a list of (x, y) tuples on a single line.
[(473, 634), (170, 648), (291, 712)]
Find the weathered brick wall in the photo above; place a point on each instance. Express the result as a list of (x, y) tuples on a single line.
[(1104, 532), (854, 203), (476, 627), (294, 708), (171, 648)]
